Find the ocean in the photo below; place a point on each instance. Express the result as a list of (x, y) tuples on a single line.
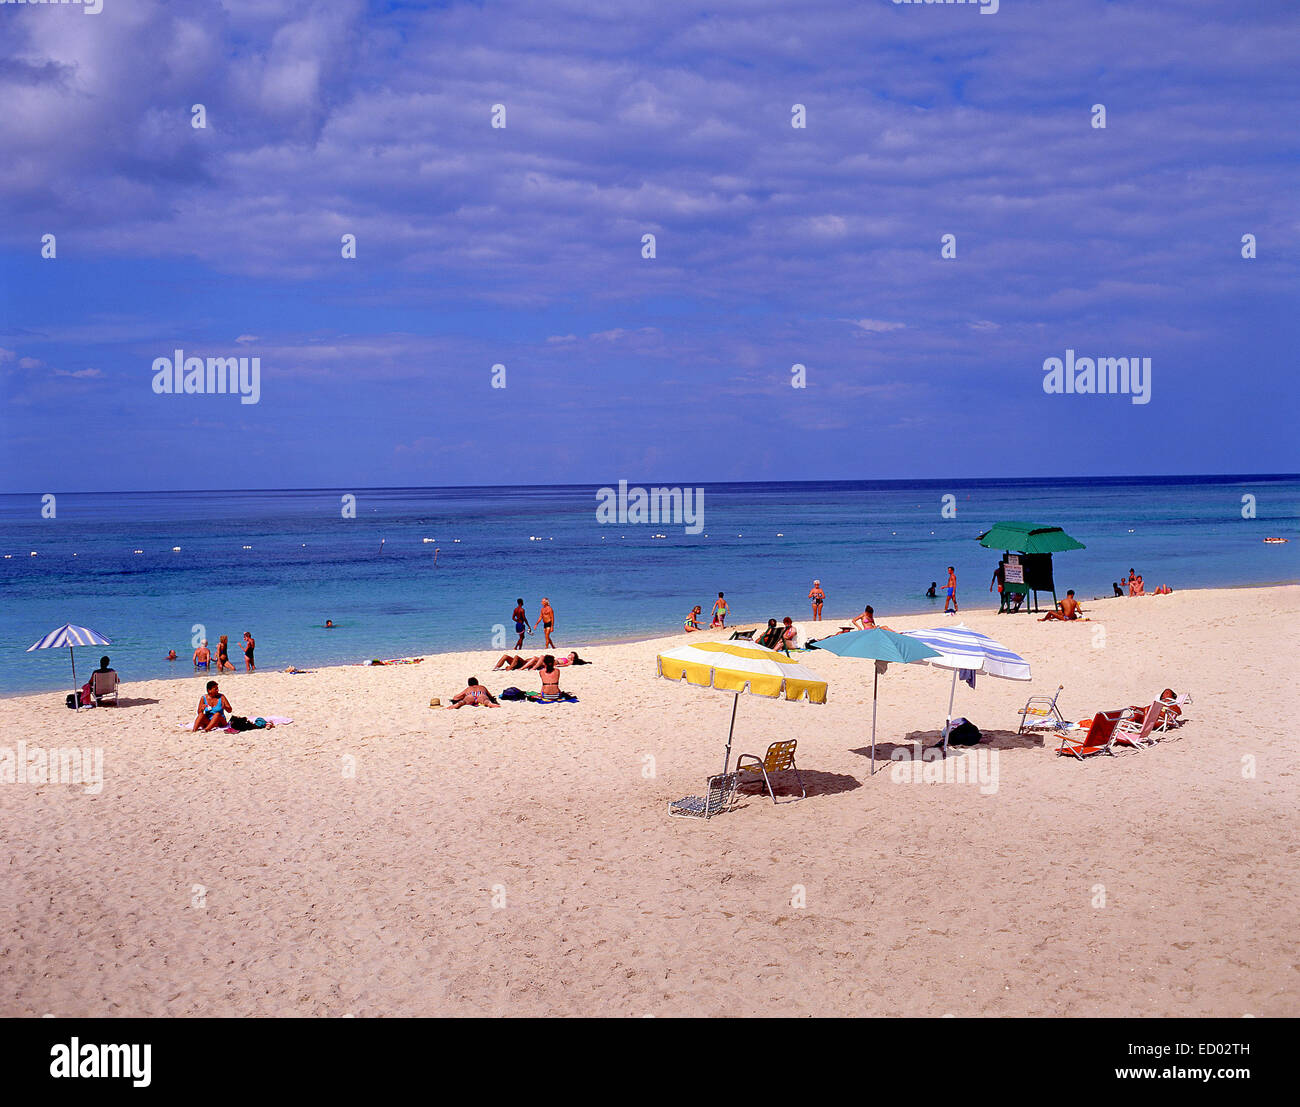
[(279, 563)]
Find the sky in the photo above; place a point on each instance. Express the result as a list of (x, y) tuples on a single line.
[(522, 245)]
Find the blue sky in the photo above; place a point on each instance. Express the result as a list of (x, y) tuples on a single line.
[(522, 246)]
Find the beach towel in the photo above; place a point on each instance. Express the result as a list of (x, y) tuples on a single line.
[(563, 697)]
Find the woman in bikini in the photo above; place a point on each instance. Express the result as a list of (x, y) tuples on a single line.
[(550, 675), (818, 597), (213, 709), (475, 695), (519, 661)]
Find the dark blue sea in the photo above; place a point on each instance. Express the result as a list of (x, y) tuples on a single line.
[(279, 563)]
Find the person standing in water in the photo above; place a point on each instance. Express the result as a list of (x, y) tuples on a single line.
[(950, 593), (249, 645), (547, 618), (520, 617), (818, 597), (720, 610)]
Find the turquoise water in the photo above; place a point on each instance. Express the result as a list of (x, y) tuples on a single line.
[(868, 542)]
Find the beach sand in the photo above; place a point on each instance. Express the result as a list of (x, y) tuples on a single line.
[(249, 874)]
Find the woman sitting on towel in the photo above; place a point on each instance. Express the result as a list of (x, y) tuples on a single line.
[(475, 695), (214, 709), (550, 675)]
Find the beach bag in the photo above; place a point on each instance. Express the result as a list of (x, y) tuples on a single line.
[(512, 694), (71, 700), (965, 733), (239, 722)]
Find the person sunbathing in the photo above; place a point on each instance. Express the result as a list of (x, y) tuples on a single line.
[(475, 695), (867, 620), (771, 636), (550, 674), (1067, 609), (789, 636), (1163, 590), (693, 619), (1138, 587), (519, 661), (214, 709)]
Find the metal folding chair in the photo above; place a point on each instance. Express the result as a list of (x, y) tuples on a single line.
[(720, 797)]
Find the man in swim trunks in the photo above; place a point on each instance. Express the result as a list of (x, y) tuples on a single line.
[(950, 593), (214, 709), (202, 656), (520, 617), (547, 618), (249, 644), (720, 610), (1068, 609), (818, 598)]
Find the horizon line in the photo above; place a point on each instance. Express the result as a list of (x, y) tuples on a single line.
[(960, 481)]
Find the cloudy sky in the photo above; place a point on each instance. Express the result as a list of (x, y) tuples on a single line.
[(522, 245)]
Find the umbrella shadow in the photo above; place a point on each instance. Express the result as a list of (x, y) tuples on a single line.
[(815, 782), (139, 701), (990, 739)]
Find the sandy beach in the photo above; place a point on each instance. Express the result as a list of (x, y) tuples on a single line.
[(520, 861)]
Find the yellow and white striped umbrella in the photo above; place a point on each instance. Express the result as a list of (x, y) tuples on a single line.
[(741, 667)]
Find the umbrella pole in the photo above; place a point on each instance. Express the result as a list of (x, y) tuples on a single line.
[(726, 761), (875, 691), (75, 693), (948, 722)]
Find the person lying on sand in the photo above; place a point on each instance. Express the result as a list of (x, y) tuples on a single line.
[(214, 709), (1068, 609), (519, 661), (475, 695)]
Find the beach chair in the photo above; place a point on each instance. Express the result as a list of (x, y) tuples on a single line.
[(1097, 738), (1168, 720), (778, 759), (720, 797), (103, 687), (1041, 713), (1135, 729)]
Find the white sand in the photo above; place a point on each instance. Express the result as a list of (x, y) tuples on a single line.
[(373, 894)]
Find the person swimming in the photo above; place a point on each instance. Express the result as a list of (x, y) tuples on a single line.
[(329, 624), (932, 594)]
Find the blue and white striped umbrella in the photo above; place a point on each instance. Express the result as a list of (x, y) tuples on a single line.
[(69, 636), (962, 649), (959, 647)]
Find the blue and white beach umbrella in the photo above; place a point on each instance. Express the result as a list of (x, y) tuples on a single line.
[(967, 652), (70, 636)]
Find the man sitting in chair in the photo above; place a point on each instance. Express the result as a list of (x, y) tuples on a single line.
[(104, 682)]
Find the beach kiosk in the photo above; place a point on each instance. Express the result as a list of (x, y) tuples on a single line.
[(1027, 558)]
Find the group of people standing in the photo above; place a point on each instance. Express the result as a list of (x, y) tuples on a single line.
[(203, 659)]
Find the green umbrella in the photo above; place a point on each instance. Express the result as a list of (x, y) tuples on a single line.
[(881, 646), (1028, 538)]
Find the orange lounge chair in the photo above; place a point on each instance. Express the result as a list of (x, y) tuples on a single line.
[(1097, 737)]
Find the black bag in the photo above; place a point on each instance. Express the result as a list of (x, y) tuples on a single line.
[(240, 722), (71, 700), (512, 694), (965, 733)]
